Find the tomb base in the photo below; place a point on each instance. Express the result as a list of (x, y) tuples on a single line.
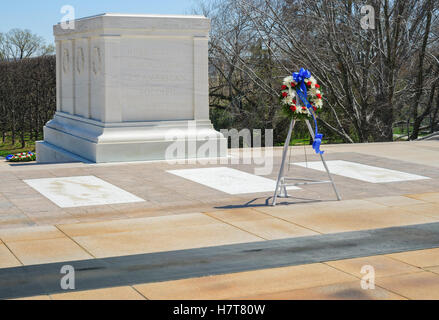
[(69, 138)]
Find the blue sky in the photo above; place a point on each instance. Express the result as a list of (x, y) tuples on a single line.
[(40, 15)]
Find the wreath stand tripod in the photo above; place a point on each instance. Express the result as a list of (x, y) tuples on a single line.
[(283, 181)]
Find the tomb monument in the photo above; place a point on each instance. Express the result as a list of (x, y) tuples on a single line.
[(129, 87)]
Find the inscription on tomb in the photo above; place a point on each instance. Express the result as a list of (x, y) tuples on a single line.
[(158, 78), (160, 92)]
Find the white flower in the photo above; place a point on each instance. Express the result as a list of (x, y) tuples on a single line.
[(291, 91), (287, 81)]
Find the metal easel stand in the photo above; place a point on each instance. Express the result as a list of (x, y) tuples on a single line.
[(283, 181)]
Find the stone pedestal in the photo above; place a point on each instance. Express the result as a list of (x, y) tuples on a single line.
[(129, 88)]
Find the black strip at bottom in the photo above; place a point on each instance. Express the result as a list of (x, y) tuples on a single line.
[(45, 279)]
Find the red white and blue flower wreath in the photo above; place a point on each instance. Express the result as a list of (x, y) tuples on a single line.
[(302, 86), (289, 98), (21, 157)]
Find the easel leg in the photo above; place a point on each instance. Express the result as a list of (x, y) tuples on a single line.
[(330, 178), (282, 165), (324, 162)]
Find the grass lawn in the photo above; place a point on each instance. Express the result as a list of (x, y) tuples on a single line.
[(397, 130), (306, 142), (295, 142), (8, 148)]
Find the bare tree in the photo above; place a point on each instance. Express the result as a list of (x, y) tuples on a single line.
[(20, 44), (27, 84), (27, 97), (427, 79), (366, 74), (2, 47)]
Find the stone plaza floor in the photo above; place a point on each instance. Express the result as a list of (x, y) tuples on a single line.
[(314, 247)]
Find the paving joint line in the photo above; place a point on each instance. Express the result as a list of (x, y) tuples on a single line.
[(293, 223), (359, 278), (412, 265), (141, 294), (12, 253), (227, 223), (65, 234), (433, 272)]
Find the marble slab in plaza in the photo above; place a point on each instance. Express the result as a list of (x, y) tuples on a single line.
[(229, 180), (68, 192), (128, 88), (362, 172)]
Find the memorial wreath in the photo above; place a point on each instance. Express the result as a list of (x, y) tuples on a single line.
[(290, 101), (302, 86), (21, 157), (301, 99)]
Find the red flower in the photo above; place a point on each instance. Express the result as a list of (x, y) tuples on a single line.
[(319, 95), (309, 83), (293, 108), (294, 101), (317, 86), (303, 108), (284, 94), (293, 84), (284, 87), (314, 108)]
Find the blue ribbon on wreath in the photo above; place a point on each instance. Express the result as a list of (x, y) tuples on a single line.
[(302, 92)]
